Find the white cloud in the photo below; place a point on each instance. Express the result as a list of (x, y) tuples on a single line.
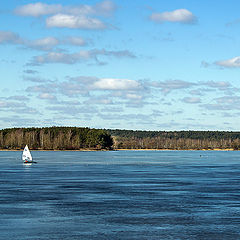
[(16, 107), (78, 41), (134, 117), (179, 15), (59, 57), (9, 37), (47, 43), (72, 58), (232, 100), (34, 79), (105, 7), (192, 100), (73, 111), (134, 96), (225, 103), (38, 9), (229, 63), (7, 104), (73, 89), (221, 85), (116, 91), (101, 100), (72, 21), (44, 44), (116, 84), (76, 17), (18, 98), (30, 71), (169, 85), (46, 96), (44, 88)]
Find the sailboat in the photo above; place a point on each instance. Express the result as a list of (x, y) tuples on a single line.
[(26, 156)]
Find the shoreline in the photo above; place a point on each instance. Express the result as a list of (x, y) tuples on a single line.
[(215, 149), (103, 150), (56, 150)]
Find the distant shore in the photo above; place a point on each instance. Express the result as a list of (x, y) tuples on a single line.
[(215, 149), (56, 150), (97, 150)]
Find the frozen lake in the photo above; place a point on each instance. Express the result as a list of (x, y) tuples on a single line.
[(120, 195)]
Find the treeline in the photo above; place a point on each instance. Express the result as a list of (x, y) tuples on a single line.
[(178, 140), (75, 138), (55, 138)]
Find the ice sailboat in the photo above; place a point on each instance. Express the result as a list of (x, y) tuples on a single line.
[(26, 155)]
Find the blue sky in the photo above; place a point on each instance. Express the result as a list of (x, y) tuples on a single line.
[(147, 65)]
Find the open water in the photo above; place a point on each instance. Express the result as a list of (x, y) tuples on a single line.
[(121, 195)]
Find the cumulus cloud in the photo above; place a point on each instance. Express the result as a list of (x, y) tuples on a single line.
[(78, 41), (84, 85), (179, 15), (112, 109), (100, 100), (38, 9), (132, 116), (60, 57), (79, 16), (105, 8), (72, 58), (8, 104), (47, 43), (73, 111), (73, 89), (18, 98), (44, 44), (170, 85), (16, 107), (34, 79), (225, 103), (192, 100), (115, 84), (72, 21), (9, 37), (19, 121), (43, 88), (221, 85), (30, 71), (232, 100), (113, 91), (46, 96), (229, 63)]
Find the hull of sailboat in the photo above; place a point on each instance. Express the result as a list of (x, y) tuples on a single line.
[(29, 162)]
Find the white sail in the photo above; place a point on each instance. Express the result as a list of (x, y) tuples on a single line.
[(26, 155)]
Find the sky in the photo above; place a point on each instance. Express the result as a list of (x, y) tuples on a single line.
[(120, 64)]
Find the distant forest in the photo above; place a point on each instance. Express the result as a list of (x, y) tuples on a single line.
[(55, 138), (76, 138), (177, 140)]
